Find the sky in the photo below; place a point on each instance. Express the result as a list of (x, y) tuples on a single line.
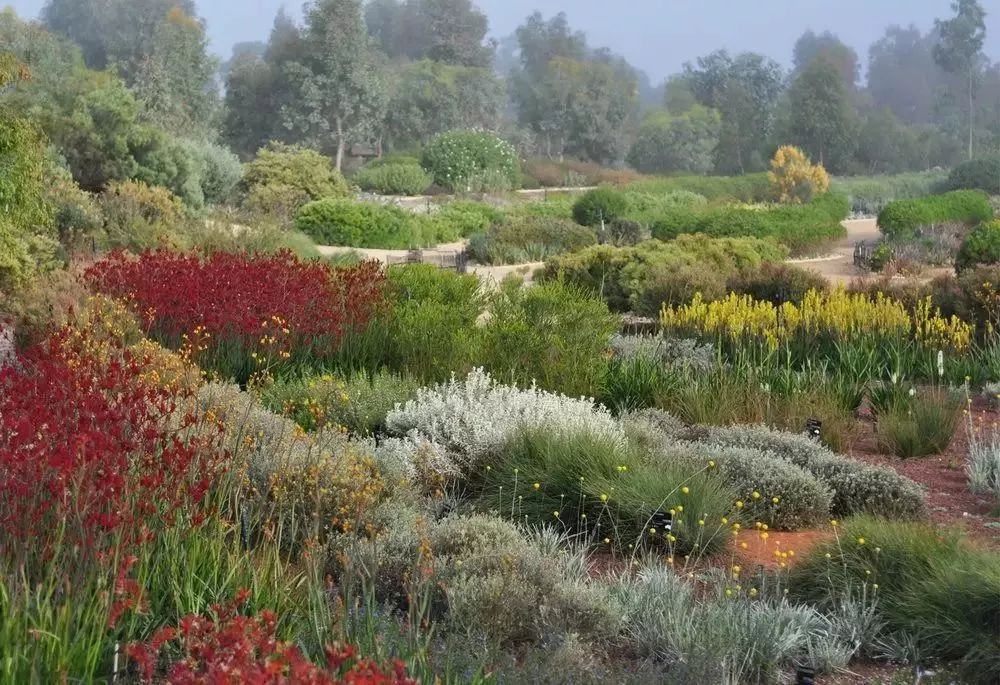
[(657, 36)]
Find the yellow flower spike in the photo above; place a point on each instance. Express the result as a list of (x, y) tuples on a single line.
[(711, 463), (671, 538), (753, 592), (763, 536), (763, 526), (729, 592), (833, 522)]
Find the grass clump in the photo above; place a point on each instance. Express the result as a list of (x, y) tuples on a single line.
[(922, 425)]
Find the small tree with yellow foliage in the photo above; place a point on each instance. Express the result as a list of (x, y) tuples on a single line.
[(794, 178)]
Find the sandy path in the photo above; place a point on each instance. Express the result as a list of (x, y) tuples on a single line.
[(838, 267)]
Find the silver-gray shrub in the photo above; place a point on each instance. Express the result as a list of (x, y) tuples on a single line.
[(983, 466), (857, 487), (803, 501), (503, 585), (474, 416), (724, 640)]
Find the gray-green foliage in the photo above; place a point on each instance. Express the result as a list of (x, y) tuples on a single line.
[(668, 143), (712, 640), (857, 487)]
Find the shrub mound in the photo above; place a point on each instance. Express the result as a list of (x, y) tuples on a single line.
[(903, 218), (644, 276), (980, 247), (800, 227), (237, 312), (471, 161), (529, 239), (393, 178), (601, 205), (977, 174)]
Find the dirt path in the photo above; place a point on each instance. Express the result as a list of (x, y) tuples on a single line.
[(838, 267)]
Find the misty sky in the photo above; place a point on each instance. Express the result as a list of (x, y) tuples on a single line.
[(655, 35)]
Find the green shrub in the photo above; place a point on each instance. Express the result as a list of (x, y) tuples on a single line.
[(430, 330), (393, 179), (463, 218), (643, 276), (578, 482), (462, 160), (932, 588), (552, 333), (359, 403), (981, 246), (283, 178), (777, 282), (977, 174), (903, 218), (800, 227), (925, 425), (364, 224), (138, 217), (646, 206), (601, 205), (529, 239)]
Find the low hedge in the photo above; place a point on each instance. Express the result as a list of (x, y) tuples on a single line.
[(800, 227), (529, 239), (393, 179), (626, 277), (902, 218), (364, 224), (601, 205)]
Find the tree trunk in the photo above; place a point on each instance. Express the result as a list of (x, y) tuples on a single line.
[(971, 110), (340, 144)]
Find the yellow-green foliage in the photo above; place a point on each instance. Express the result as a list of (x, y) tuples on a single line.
[(794, 178)]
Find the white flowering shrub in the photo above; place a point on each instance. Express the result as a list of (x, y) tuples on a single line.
[(476, 416), (413, 459), (472, 161)]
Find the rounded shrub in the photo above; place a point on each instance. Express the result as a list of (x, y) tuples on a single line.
[(777, 282), (600, 204), (981, 246), (393, 179), (358, 224), (977, 174), (282, 178), (529, 239), (902, 218), (471, 161)]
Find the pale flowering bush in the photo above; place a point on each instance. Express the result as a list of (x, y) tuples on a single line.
[(414, 459), (476, 416), (472, 161)]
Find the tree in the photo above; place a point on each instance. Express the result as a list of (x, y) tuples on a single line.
[(821, 116), (158, 47), (578, 101), (810, 45), (902, 74), (448, 31), (340, 94), (431, 97), (885, 145), (744, 90), (667, 143), (960, 45)]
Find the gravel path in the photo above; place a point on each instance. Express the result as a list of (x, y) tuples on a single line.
[(838, 267)]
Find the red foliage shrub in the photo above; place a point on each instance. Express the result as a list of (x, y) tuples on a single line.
[(243, 310), (231, 648), (87, 458)]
